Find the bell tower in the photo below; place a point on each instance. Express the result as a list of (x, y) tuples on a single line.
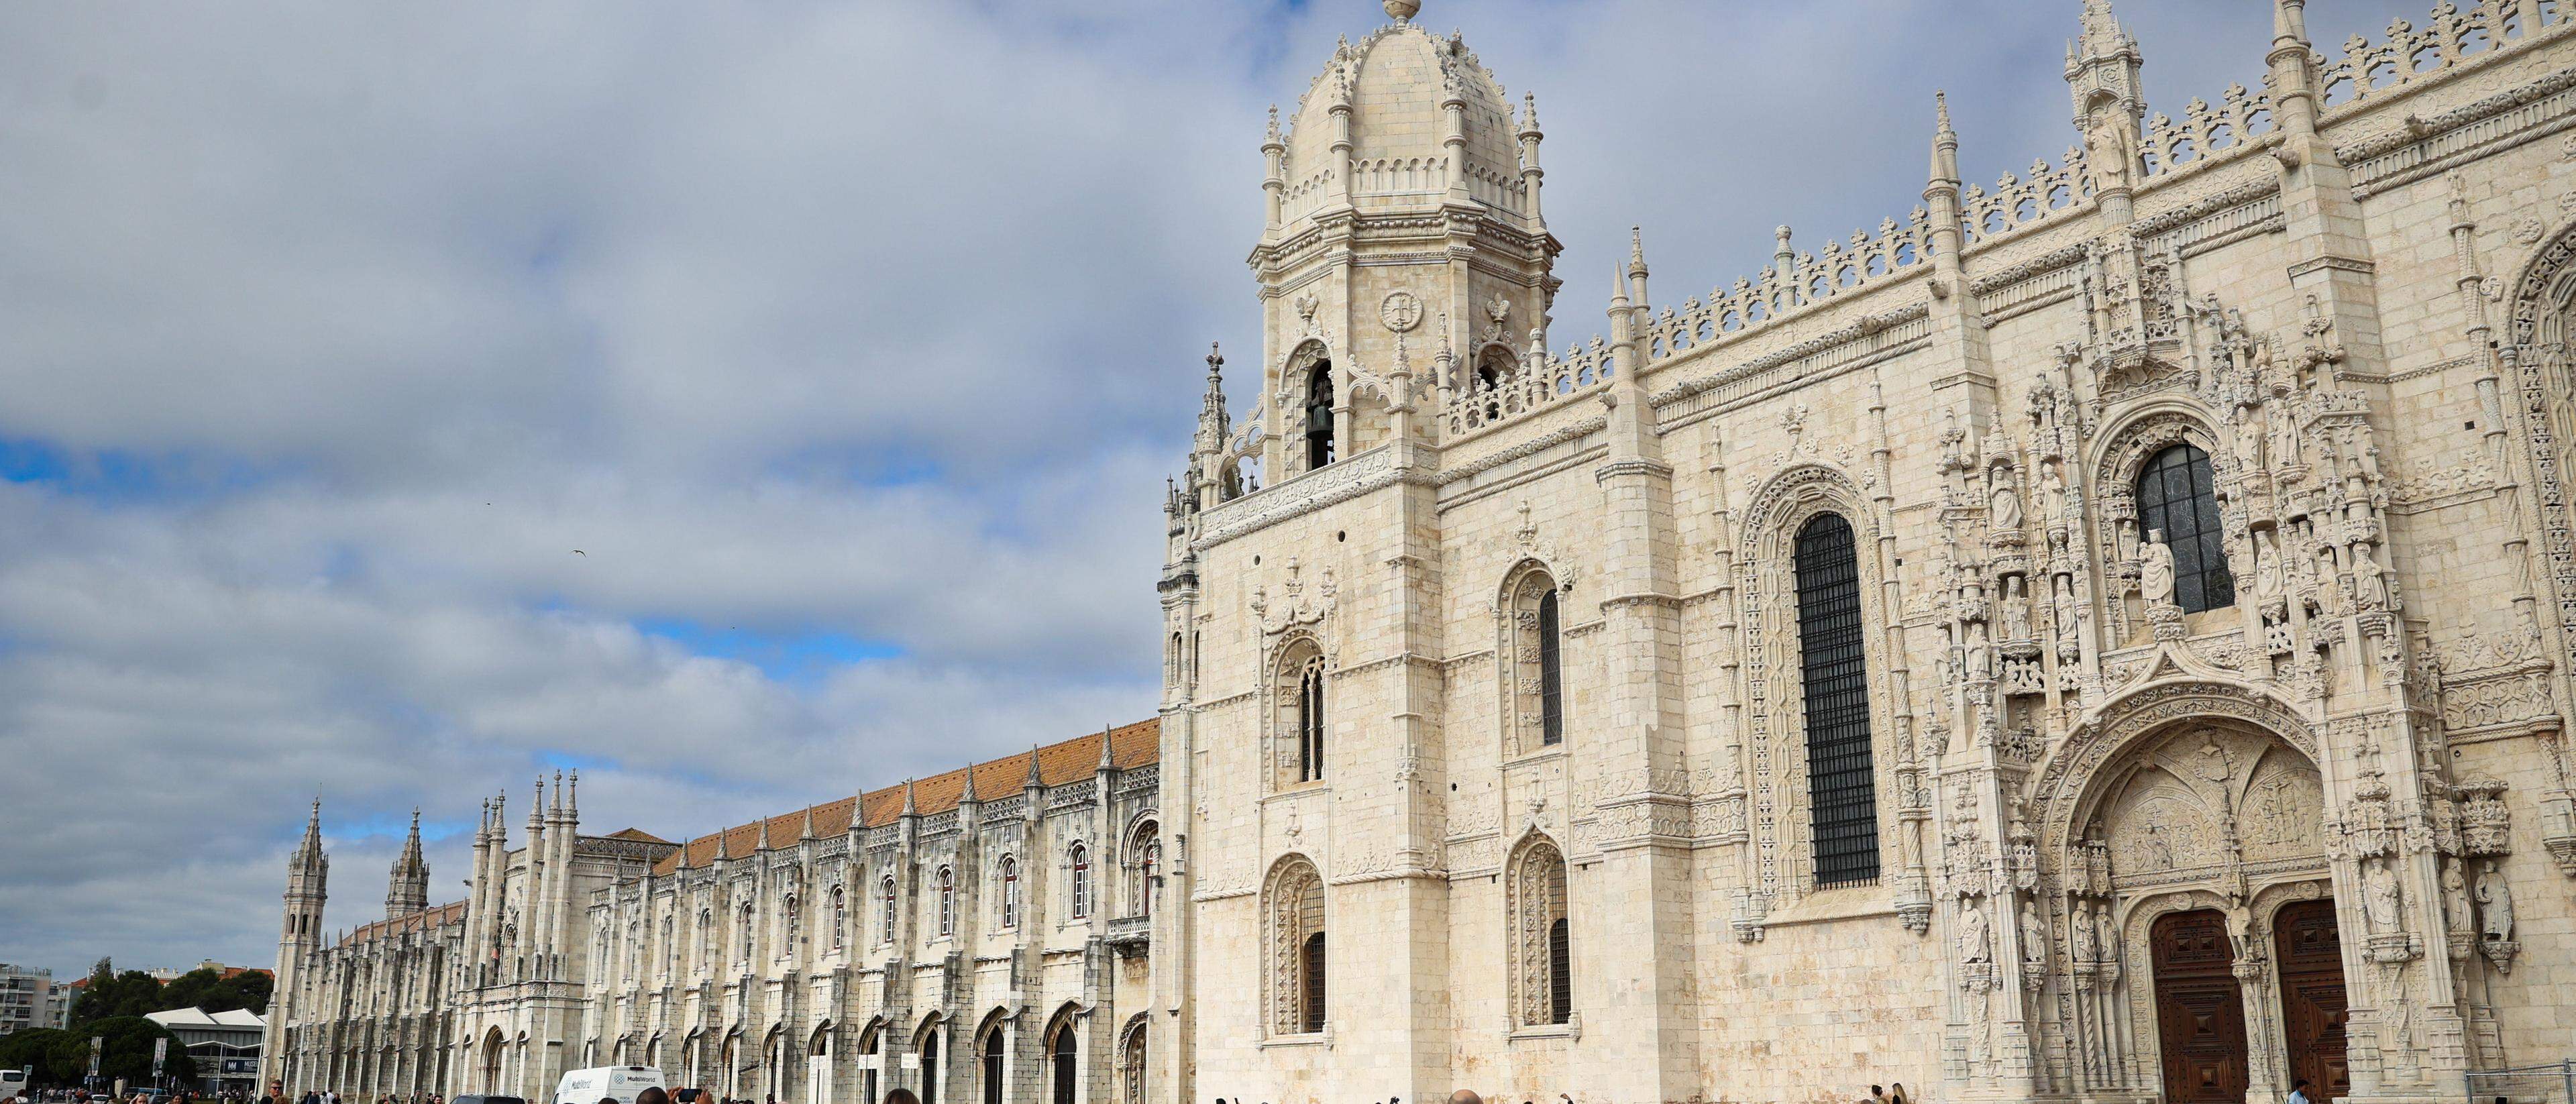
[(1403, 223), (299, 936)]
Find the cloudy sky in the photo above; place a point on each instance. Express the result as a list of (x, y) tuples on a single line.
[(849, 342)]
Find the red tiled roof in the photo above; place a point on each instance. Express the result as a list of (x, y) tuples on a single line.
[(1135, 745), (435, 916)]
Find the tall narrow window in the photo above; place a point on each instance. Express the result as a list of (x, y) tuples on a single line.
[(930, 1041), (1560, 974), (1065, 1067), (1010, 892), (1294, 948), (1310, 722), (947, 901), (1081, 882), (887, 895), (1542, 982), (1842, 792), (1319, 416), (840, 915), (1146, 871), (1313, 963), (795, 926), (1551, 678), (749, 919), (993, 1051), (2175, 500)]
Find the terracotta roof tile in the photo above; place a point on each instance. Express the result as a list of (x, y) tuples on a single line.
[(432, 917), (1130, 746), (637, 834)]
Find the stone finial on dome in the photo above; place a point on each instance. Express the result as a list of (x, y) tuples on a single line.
[(1403, 11)]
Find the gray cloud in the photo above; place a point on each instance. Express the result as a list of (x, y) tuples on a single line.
[(329, 330)]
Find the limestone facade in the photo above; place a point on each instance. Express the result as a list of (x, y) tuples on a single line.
[(2101, 635), (988, 925)]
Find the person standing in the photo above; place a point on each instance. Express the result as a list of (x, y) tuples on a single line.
[(2299, 1093)]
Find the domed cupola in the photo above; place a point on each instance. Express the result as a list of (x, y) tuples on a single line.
[(1376, 128), (1403, 160)]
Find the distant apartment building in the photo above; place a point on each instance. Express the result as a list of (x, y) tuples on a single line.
[(24, 997)]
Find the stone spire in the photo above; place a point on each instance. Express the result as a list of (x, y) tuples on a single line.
[(910, 807), (1034, 781), (1945, 144), (407, 891), (968, 794)]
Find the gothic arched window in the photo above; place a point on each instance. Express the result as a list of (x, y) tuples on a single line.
[(992, 1048), (1319, 415), (1296, 949), (795, 924), (2176, 500), (1081, 881), (947, 901), (887, 904), (1010, 892), (746, 927), (1842, 791), (1063, 1071), (1534, 672), (1540, 951), (840, 916)]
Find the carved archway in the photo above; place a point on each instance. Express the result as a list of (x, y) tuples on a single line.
[(2188, 792), (2538, 366), (1774, 692)]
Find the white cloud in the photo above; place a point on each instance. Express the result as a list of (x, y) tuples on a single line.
[(329, 331)]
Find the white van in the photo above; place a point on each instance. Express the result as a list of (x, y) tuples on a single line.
[(13, 1084), (618, 1083)]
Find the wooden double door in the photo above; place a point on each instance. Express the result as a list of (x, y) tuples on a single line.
[(2307, 947), (2200, 1006)]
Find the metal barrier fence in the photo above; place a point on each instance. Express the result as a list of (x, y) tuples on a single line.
[(2550, 1084)]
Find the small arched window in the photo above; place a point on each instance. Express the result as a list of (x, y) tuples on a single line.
[(2176, 500), (1319, 415), (947, 901), (887, 904), (1842, 786), (1010, 892), (1081, 882)]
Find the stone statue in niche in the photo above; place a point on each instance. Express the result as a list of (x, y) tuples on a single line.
[(2379, 895), (2455, 899), (2247, 441), (2082, 925), (2034, 936), (2284, 445), (2267, 568), (2370, 584), (2052, 491), (2016, 611), (2109, 152), (2329, 592), (2007, 503), (2110, 935), (2156, 570), (1975, 943), (2495, 905), (2065, 608)]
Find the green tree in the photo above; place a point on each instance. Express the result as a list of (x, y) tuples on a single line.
[(111, 994), (32, 1048), (126, 1053)]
